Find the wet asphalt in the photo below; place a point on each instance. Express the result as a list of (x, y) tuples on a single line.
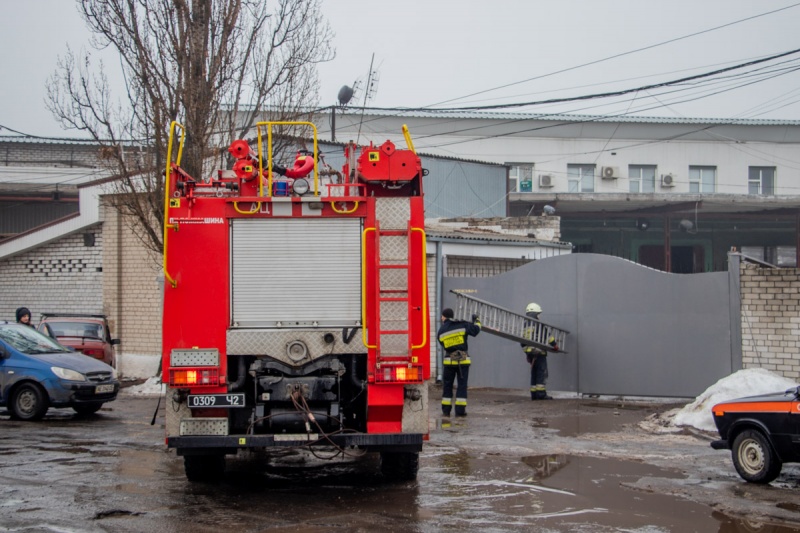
[(569, 464)]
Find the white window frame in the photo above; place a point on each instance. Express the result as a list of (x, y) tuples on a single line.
[(702, 179), (638, 181), (756, 178), (580, 178), (519, 172)]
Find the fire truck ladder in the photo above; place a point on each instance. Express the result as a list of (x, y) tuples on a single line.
[(508, 324), (392, 264), (392, 268)]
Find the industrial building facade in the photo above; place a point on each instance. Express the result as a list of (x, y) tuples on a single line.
[(675, 194)]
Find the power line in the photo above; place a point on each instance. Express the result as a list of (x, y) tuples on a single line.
[(565, 123), (704, 76), (619, 55), (605, 94)]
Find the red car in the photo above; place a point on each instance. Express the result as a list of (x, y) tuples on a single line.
[(762, 433), (88, 334)]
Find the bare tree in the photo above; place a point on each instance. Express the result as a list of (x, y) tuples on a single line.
[(216, 66)]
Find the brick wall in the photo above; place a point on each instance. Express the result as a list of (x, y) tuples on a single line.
[(62, 276), (771, 319), (132, 295)]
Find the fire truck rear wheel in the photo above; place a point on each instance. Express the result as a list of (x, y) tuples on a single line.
[(208, 468), (400, 466)]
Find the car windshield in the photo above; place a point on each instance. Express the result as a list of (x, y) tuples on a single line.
[(28, 341), (91, 330)]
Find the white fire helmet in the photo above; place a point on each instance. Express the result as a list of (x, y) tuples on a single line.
[(533, 307)]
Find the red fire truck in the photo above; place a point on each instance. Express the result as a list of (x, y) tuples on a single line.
[(296, 306)]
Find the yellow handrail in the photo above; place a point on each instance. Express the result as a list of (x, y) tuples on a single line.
[(167, 225), (425, 309), (252, 211), (344, 211), (269, 154), (425, 312), (364, 288), (409, 142)]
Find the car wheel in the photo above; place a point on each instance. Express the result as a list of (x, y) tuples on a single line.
[(87, 408), (753, 457), (29, 402)]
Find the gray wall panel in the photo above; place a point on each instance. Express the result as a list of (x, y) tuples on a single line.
[(633, 330), (461, 188), (452, 188)]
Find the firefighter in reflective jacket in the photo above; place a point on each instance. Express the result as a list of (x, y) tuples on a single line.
[(453, 338), (537, 357)]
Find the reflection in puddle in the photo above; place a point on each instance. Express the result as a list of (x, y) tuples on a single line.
[(545, 465)]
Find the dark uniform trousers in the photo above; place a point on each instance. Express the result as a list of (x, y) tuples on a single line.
[(452, 336), (537, 358), (538, 362), (455, 371)]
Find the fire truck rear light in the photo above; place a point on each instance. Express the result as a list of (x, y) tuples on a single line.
[(194, 377), (404, 374)]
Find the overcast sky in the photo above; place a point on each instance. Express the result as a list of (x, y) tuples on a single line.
[(454, 53)]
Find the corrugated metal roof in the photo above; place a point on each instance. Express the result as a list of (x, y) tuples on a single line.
[(419, 113), (436, 229), (31, 139)]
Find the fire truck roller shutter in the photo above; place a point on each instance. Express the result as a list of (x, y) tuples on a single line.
[(296, 272)]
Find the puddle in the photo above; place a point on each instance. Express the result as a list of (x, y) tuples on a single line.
[(745, 525), (562, 493), (591, 419), (789, 506)]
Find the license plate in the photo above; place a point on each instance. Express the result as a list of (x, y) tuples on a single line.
[(216, 400), (102, 389)]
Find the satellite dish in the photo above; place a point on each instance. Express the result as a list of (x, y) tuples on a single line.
[(686, 225), (642, 224), (549, 210), (345, 94)]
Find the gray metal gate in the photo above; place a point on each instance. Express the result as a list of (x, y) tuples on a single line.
[(634, 331)]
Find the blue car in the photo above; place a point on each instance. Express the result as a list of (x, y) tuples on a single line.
[(37, 373)]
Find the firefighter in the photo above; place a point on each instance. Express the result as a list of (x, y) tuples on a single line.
[(24, 316), (453, 338), (537, 357)]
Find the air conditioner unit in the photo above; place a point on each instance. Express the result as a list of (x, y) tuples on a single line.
[(667, 180), (545, 180), (609, 173)]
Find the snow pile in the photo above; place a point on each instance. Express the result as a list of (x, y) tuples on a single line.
[(151, 387), (750, 382)]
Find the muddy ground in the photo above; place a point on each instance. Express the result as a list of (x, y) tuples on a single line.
[(622, 457), (512, 465)]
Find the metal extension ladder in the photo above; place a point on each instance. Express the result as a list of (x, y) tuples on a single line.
[(508, 324)]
